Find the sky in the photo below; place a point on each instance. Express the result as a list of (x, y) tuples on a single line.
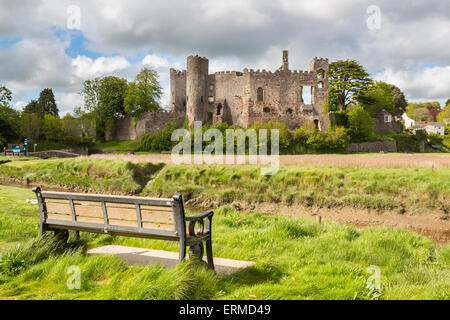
[(60, 44)]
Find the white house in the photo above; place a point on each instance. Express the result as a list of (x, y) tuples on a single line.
[(431, 127), (409, 123)]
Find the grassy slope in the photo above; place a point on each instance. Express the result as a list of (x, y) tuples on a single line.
[(109, 176), (296, 259), (131, 145), (411, 189)]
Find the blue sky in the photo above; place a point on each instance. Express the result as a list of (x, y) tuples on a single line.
[(409, 46)]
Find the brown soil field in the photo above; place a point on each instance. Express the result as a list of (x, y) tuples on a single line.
[(355, 160)]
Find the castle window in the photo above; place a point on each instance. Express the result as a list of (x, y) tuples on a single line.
[(184, 103), (211, 99), (306, 94), (289, 111), (211, 87), (266, 109), (260, 94), (320, 74), (201, 99), (219, 110), (320, 85), (316, 123)]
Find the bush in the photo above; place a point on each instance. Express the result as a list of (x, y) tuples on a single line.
[(360, 124), (161, 140)]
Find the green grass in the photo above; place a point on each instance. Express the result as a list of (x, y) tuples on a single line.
[(131, 145), (109, 176), (295, 259), (401, 189)]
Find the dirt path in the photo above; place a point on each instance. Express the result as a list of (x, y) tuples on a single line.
[(432, 226), (394, 160)]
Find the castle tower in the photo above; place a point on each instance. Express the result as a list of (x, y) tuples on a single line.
[(177, 90), (196, 88), (285, 65)]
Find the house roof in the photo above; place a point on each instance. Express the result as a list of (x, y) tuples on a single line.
[(384, 112)]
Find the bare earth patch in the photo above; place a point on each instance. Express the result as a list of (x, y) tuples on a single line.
[(434, 226), (347, 160)]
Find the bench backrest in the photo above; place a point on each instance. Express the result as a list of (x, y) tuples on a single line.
[(147, 216)]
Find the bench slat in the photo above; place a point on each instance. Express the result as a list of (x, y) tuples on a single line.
[(158, 202)]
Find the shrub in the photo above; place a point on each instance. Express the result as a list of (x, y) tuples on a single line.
[(360, 124), (161, 140)]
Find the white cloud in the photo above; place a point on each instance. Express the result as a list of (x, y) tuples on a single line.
[(432, 83), (87, 68)]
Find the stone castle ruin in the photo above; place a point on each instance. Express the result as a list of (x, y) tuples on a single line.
[(242, 98), (239, 98)]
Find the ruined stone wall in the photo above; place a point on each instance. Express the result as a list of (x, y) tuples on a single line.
[(123, 129), (376, 146), (155, 121)]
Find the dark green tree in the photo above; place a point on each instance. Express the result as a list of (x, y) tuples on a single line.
[(347, 79), (47, 103), (32, 107), (399, 100)]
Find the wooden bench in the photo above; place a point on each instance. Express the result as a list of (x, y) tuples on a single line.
[(142, 217)]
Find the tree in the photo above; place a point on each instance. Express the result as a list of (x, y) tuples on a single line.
[(444, 115), (31, 125), (5, 95), (32, 107), (423, 111), (399, 100), (447, 102), (47, 103), (104, 98), (347, 79), (143, 94), (360, 124), (52, 128), (376, 98), (9, 123)]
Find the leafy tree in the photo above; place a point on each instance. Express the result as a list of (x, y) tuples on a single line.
[(347, 79), (424, 111), (32, 107), (9, 123), (47, 103), (31, 125), (104, 98), (444, 115), (5, 95), (399, 100), (52, 128), (360, 124), (447, 102), (143, 93), (376, 98)]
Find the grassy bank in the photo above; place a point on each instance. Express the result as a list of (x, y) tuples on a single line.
[(401, 189), (101, 176), (295, 259)]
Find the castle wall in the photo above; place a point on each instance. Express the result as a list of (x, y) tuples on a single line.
[(178, 90), (124, 129)]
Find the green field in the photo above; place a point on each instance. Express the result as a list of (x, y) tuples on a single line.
[(295, 259)]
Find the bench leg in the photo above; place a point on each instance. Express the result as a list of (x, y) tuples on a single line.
[(76, 235), (209, 254), (182, 251)]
